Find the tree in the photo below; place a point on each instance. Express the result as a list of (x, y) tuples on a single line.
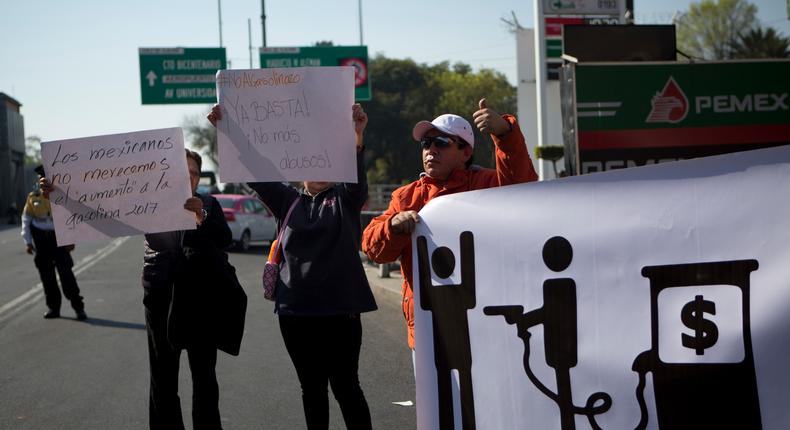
[(400, 99), (202, 136), (762, 44), (32, 150), (405, 92), (710, 29), (461, 94)]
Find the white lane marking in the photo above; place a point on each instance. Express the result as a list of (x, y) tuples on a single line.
[(86, 263)]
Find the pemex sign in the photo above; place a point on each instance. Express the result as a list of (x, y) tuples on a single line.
[(631, 114)]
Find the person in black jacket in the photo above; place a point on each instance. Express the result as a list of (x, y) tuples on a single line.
[(163, 268), (164, 254), (322, 289)]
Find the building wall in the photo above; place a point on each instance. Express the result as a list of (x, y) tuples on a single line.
[(13, 188)]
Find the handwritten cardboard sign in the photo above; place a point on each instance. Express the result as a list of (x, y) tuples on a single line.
[(289, 124), (118, 185)]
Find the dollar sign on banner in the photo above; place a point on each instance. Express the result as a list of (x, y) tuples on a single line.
[(705, 331)]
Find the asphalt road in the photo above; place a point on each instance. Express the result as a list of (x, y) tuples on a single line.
[(66, 374)]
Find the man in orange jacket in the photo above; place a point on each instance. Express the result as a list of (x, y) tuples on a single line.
[(447, 145)]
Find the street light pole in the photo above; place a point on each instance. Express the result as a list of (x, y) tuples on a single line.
[(263, 21), (540, 76), (359, 2), (219, 15)]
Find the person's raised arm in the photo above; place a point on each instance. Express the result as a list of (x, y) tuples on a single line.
[(214, 115), (359, 192), (212, 228), (513, 164), (46, 186), (276, 196), (488, 121)]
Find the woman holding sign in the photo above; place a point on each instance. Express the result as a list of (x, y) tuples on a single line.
[(322, 288), (167, 275), (164, 269)]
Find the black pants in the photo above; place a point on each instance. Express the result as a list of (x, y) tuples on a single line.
[(164, 404), (327, 349), (50, 257)]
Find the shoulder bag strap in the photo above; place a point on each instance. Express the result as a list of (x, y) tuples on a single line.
[(276, 257)]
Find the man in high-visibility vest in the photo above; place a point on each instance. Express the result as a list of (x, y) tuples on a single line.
[(38, 230)]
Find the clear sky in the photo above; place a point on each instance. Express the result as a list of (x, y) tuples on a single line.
[(74, 64)]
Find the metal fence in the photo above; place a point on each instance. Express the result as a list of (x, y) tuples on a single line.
[(379, 196)]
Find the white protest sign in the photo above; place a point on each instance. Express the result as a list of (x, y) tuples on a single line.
[(646, 298), (286, 125), (118, 185)]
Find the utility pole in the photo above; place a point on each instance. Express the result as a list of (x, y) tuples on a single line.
[(540, 76), (359, 2), (249, 38), (219, 14), (263, 21)]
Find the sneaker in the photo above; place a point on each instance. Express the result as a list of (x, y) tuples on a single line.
[(81, 315), (52, 314)]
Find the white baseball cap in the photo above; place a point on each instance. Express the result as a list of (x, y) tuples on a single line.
[(448, 123)]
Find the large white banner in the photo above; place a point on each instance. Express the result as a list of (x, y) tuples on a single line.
[(118, 185), (286, 125), (654, 297)]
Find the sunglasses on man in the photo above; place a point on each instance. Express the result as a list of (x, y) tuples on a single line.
[(440, 142)]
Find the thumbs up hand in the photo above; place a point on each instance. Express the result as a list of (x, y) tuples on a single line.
[(489, 121)]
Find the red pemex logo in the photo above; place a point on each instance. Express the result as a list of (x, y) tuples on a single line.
[(670, 105)]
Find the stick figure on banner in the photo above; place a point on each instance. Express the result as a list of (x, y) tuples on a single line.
[(558, 316), (449, 305)]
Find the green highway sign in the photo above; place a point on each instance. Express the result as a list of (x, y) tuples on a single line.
[(180, 75), (314, 56)]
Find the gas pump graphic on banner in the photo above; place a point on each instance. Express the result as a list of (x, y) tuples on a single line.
[(701, 356)]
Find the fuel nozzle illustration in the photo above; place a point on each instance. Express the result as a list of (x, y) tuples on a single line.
[(701, 356), (558, 317), (449, 305)]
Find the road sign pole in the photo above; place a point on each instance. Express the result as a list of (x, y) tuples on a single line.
[(263, 21), (219, 16), (540, 76), (360, 22)]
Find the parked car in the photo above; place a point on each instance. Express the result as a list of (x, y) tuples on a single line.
[(248, 218)]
